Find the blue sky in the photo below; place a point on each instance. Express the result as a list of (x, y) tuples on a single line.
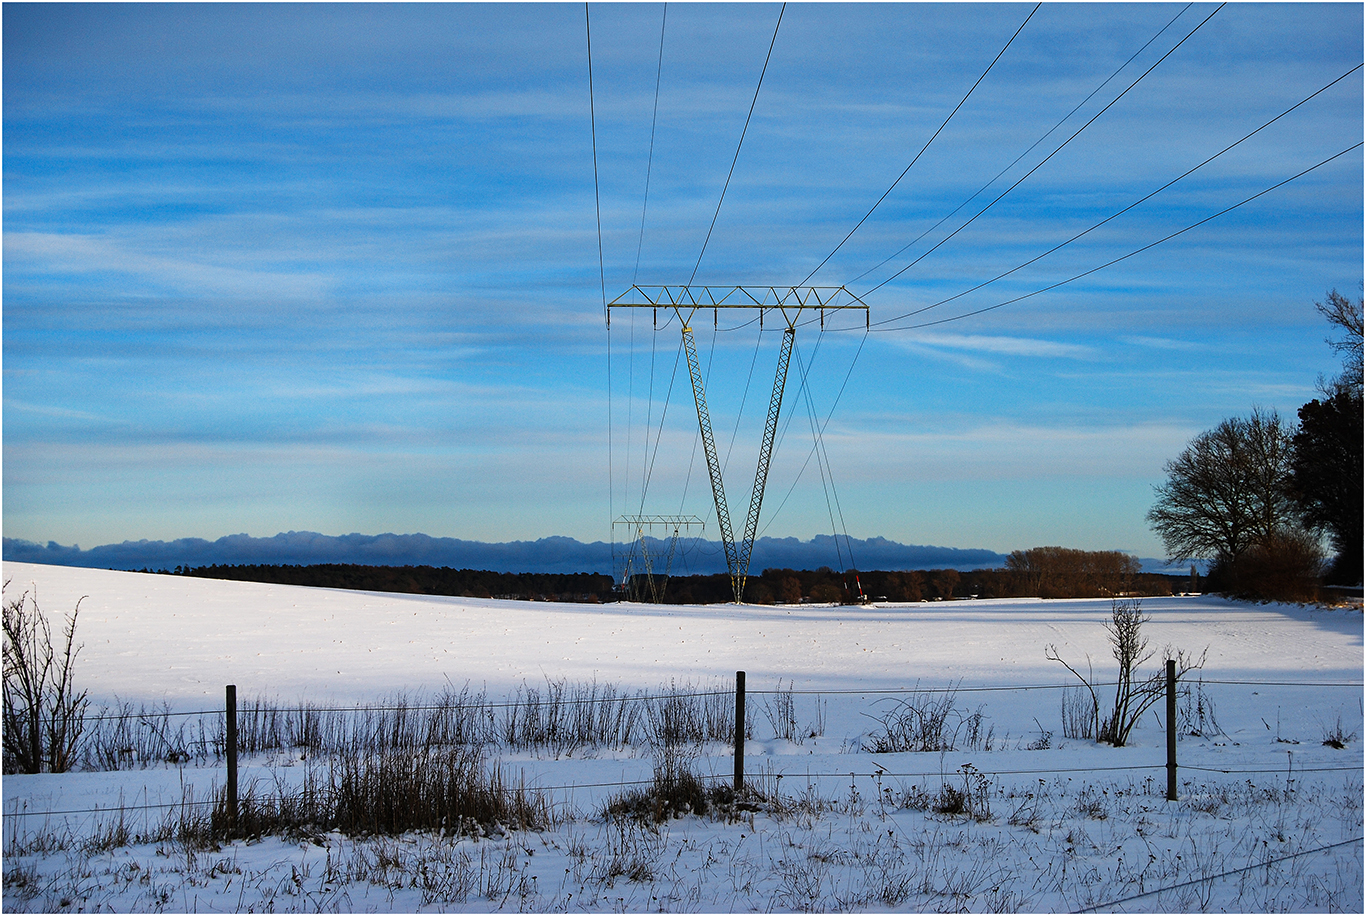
[(335, 268)]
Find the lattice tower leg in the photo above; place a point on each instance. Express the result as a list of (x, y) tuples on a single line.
[(713, 465), (756, 498)]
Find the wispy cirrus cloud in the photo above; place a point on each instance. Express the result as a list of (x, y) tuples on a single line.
[(75, 255), (976, 351)]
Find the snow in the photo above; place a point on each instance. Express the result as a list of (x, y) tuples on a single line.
[(1066, 831)]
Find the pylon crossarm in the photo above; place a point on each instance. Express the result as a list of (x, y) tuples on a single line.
[(709, 448), (738, 297), (789, 301), (666, 521), (756, 498)]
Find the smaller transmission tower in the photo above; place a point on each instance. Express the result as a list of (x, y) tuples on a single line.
[(640, 564)]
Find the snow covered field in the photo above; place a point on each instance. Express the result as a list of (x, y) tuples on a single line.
[(1269, 818)]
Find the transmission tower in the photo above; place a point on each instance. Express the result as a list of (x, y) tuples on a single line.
[(638, 559), (788, 302)]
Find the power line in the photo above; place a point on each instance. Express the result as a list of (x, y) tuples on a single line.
[(649, 164), (744, 398), (650, 405), (1050, 155), (663, 414), (817, 433), (925, 147), (602, 274), (838, 395), (1032, 146), (820, 466), (593, 124), (1131, 206), (791, 417), (1114, 261), (737, 146)]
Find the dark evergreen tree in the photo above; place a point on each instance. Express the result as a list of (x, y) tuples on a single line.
[(1326, 477)]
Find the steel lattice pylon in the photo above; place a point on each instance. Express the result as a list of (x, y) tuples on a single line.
[(789, 302), (641, 525)]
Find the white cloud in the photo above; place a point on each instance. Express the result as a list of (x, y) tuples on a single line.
[(1002, 449), (999, 345), (1163, 343), (77, 254)]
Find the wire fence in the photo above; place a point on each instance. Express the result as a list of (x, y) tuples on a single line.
[(563, 716), (552, 718), (875, 772), (636, 697)]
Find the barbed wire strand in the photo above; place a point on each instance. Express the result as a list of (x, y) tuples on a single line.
[(877, 773), (244, 712), (1236, 871), (847, 774)]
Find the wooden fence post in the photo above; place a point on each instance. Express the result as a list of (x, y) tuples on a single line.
[(739, 733), (231, 749), (1171, 729)]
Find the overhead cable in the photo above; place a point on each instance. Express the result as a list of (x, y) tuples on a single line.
[(923, 148), (738, 145), (593, 125), (1032, 146), (663, 414), (1050, 155), (602, 275), (649, 163), (839, 394), (1131, 206), (1124, 257)]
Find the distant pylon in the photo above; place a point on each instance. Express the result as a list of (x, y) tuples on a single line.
[(640, 564)]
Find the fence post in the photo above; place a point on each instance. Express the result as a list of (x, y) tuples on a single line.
[(1171, 729), (231, 749), (739, 733)]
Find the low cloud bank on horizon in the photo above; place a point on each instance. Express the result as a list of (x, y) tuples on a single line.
[(546, 555)]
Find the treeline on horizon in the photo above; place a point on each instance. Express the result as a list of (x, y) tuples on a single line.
[(1042, 572)]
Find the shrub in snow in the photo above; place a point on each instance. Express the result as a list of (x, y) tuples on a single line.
[(44, 714), (1134, 694)]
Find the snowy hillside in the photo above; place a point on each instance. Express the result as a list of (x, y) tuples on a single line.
[(152, 637), (1060, 823)]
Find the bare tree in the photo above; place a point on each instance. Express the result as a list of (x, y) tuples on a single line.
[(1345, 315), (1227, 491), (43, 713)]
